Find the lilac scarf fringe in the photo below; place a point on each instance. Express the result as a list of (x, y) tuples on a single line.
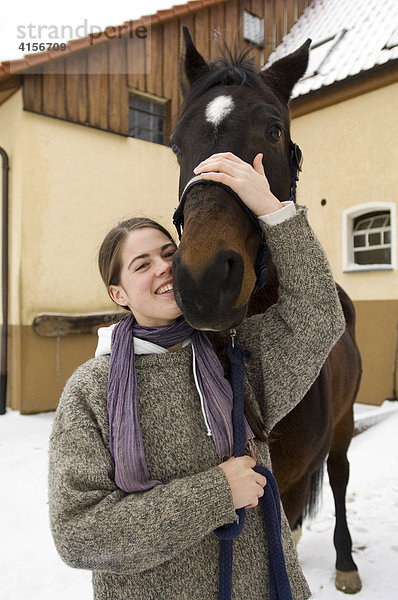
[(131, 471)]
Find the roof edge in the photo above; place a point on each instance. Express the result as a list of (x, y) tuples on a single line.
[(363, 82), (18, 66)]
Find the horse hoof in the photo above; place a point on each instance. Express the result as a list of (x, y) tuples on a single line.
[(348, 581), (296, 534)]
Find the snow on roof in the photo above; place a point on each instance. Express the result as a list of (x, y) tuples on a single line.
[(348, 37)]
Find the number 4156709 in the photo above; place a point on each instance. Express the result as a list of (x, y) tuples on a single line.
[(41, 46)]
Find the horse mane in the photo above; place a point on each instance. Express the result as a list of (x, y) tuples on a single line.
[(233, 67)]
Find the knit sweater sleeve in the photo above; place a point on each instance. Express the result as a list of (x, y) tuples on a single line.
[(97, 526), (290, 342)]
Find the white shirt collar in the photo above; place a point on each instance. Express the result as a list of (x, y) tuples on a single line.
[(140, 346)]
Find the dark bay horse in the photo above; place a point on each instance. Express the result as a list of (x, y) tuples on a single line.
[(230, 105)]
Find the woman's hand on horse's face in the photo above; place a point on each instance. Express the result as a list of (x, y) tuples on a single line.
[(249, 182), (247, 486)]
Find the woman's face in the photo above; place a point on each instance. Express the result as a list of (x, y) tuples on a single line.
[(146, 283)]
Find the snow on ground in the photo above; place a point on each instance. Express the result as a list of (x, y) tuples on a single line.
[(32, 570)]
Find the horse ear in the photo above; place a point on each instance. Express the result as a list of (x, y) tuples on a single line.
[(192, 63), (283, 74)]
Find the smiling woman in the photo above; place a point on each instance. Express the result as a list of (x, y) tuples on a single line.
[(142, 465)]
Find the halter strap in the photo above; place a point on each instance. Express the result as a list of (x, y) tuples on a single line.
[(295, 164)]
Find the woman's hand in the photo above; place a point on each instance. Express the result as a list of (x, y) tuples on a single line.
[(249, 182), (247, 486)]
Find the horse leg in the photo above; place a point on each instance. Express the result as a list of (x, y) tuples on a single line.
[(347, 578)]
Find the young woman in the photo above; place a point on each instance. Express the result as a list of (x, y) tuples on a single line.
[(140, 467)]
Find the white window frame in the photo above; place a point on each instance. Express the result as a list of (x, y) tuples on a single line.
[(349, 215)]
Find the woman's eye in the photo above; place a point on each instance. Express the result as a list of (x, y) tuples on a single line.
[(170, 254), (141, 266), (274, 132)]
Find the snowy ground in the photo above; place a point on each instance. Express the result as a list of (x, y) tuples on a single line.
[(31, 568)]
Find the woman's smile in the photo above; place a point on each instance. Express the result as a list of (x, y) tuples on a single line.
[(166, 289)]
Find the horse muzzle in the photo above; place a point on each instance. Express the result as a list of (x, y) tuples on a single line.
[(207, 300)]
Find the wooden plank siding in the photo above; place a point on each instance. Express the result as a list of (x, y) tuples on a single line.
[(170, 69), (75, 88), (217, 26), (118, 108), (232, 23), (268, 28), (138, 52), (54, 84), (33, 92), (257, 8), (155, 77), (280, 21), (97, 87), (91, 86), (201, 32)]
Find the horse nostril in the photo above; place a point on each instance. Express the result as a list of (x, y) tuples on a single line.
[(232, 271), (229, 267)]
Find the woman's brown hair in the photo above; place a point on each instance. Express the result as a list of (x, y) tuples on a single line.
[(109, 253)]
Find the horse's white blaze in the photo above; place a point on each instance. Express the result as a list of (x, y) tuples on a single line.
[(218, 109)]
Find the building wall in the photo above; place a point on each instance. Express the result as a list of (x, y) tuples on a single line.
[(376, 331), (69, 184), (349, 152)]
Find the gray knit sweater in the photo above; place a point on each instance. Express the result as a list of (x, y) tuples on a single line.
[(159, 544)]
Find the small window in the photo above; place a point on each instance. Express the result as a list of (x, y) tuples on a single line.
[(147, 118), (368, 234)]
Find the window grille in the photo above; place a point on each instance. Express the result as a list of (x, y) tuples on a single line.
[(372, 239), (147, 118)]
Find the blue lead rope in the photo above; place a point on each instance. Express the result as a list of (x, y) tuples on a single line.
[(270, 502)]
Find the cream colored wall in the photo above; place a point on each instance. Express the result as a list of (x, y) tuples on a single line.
[(77, 183), (350, 157)]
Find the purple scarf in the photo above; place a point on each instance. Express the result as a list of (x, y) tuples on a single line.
[(126, 445)]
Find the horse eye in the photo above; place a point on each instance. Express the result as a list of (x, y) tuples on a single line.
[(274, 132)]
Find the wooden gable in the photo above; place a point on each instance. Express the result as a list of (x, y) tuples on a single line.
[(91, 86)]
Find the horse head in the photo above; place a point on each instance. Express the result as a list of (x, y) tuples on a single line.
[(229, 106)]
